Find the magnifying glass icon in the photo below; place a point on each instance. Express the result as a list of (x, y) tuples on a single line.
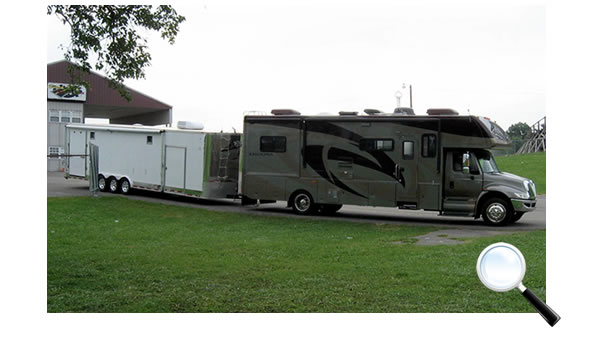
[(501, 267)]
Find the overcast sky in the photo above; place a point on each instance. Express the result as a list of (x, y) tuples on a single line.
[(234, 57)]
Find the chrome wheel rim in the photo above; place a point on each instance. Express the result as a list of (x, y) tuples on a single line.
[(113, 185), (302, 202), (125, 186), (102, 183), (496, 212)]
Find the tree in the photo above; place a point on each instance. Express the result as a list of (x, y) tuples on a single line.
[(109, 35), (519, 131)]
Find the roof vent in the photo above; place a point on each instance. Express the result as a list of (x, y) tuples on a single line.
[(442, 112), (406, 111), (372, 112), (190, 125), (284, 112), (348, 113)]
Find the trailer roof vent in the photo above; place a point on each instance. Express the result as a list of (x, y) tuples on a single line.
[(190, 125), (372, 112), (405, 111), (348, 113), (284, 112), (441, 112)]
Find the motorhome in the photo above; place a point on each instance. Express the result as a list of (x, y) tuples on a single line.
[(439, 162), (184, 161)]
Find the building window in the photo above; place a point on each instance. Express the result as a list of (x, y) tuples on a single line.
[(54, 116), (76, 117), (376, 144), (149, 140), (428, 146), (274, 144), (408, 150)]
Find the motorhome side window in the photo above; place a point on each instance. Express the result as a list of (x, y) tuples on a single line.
[(428, 146), (149, 140), (376, 144), (408, 150), (92, 135), (273, 144)]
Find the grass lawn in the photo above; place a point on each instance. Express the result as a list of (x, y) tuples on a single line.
[(113, 254), (532, 166)]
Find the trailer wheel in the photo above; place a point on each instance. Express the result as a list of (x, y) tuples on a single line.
[(329, 209), (124, 186), (113, 185), (302, 203), (497, 212), (102, 183)]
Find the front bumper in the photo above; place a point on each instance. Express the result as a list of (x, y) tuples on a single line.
[(523, 205)]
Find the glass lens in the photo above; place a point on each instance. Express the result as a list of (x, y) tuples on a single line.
[(502, 267)]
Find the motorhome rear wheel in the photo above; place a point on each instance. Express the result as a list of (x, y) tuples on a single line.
[(302, 203)]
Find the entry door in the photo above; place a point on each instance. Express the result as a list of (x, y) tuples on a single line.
[(461, 190), (175, 167), (77, 152), (406, 170)]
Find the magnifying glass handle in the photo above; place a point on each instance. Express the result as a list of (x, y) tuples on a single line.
[(546, 312)]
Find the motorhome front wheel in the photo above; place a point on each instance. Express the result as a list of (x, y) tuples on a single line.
[(497, 212)]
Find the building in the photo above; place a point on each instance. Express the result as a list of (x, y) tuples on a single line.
[(74, 104)]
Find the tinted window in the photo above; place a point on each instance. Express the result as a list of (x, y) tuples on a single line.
[(376, 144), (275, 144), (428, 146)]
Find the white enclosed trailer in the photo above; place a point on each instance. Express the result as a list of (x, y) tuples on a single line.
[(185, 162)]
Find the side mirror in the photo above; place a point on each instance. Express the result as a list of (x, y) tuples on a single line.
[(466, 163)]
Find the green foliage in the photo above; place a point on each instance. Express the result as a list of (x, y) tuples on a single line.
[(532, 166), (519, 131), (111, 35), (113, 254)]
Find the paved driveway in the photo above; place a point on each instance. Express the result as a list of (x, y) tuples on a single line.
[(58, 186)]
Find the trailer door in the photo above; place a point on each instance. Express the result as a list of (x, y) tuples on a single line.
[(174, 168), (77, 152)]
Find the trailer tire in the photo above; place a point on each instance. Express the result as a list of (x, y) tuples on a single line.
[(102, 183), (302, 203), (497, 212), (113, 185), (124, 186), (329, 209)]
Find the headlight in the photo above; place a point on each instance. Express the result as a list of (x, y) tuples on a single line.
[(529, 190)]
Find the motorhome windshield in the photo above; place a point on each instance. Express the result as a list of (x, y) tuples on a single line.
[(487, 162)]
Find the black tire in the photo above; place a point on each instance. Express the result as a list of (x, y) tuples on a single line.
[(113, 185), (497, 212), (517, 216), (329, 209), (302, 203), (102, 183), (124, 186)]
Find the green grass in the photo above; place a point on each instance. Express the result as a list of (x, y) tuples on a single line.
[(532, 166), (112, 254)]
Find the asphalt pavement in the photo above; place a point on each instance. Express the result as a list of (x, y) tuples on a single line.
[(58, 186)]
